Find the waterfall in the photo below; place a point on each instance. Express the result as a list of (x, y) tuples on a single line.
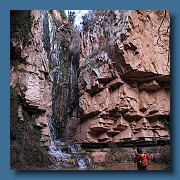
[(54, 149), (81, 163), (82, 160), (63, 65), (75, 148), (53, 52), (63, 77)]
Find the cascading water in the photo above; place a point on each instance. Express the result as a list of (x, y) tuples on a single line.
[(74, 148), (56, 152), (82, 160), (53, 52), (63, 67)]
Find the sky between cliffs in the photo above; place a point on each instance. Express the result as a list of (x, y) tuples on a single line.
[(79, 14)]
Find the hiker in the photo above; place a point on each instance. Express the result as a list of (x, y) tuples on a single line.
[(141, 159)]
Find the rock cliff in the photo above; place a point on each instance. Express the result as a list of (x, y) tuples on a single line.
[(44, 69), (110, 84), (31, 88), (30, 76), (124, 78)]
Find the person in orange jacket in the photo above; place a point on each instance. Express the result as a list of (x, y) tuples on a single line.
[(141, 159)]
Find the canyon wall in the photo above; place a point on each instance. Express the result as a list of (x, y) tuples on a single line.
[(124, 80), (30, 92), (43, 84), (30, 77), (111, 84)]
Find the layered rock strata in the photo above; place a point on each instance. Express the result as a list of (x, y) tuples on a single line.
[(29, 75), (124, 78)]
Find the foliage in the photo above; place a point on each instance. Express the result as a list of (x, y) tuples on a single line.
[(15, 57), (86, 20), (63, 14), (167, 122), (71, 16), (15, 99), (160, 154), (25, 136), (21, 23)]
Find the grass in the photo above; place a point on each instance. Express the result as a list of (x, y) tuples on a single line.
[(25, 137)]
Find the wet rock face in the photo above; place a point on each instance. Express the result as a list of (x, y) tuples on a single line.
[(30, 73), (61, 42), (124, 77)]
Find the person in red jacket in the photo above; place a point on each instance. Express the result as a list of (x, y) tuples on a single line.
[(141, 159)]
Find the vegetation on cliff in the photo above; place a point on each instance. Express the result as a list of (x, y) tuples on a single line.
[(26, 147), (97, 96), (21, 23), (25, 137)]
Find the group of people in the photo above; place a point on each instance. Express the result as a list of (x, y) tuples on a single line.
[(141, 159)]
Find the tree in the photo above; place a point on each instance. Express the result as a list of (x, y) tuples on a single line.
[(63, 14), (86, 20), (71, 16)]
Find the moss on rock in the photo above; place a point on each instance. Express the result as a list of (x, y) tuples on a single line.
[(25, 137)]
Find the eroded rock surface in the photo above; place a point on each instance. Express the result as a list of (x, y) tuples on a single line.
[(124, 77), (30, 76)]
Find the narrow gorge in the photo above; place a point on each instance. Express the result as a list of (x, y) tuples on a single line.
[(87, 97)]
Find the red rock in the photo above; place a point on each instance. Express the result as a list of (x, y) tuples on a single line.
[(124, 76)]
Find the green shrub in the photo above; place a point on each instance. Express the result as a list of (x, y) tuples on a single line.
[(21, 23), (25, 149), (63, 14)]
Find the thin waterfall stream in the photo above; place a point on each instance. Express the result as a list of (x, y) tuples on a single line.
[(86, 98), (63, 72), (53, 52)]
